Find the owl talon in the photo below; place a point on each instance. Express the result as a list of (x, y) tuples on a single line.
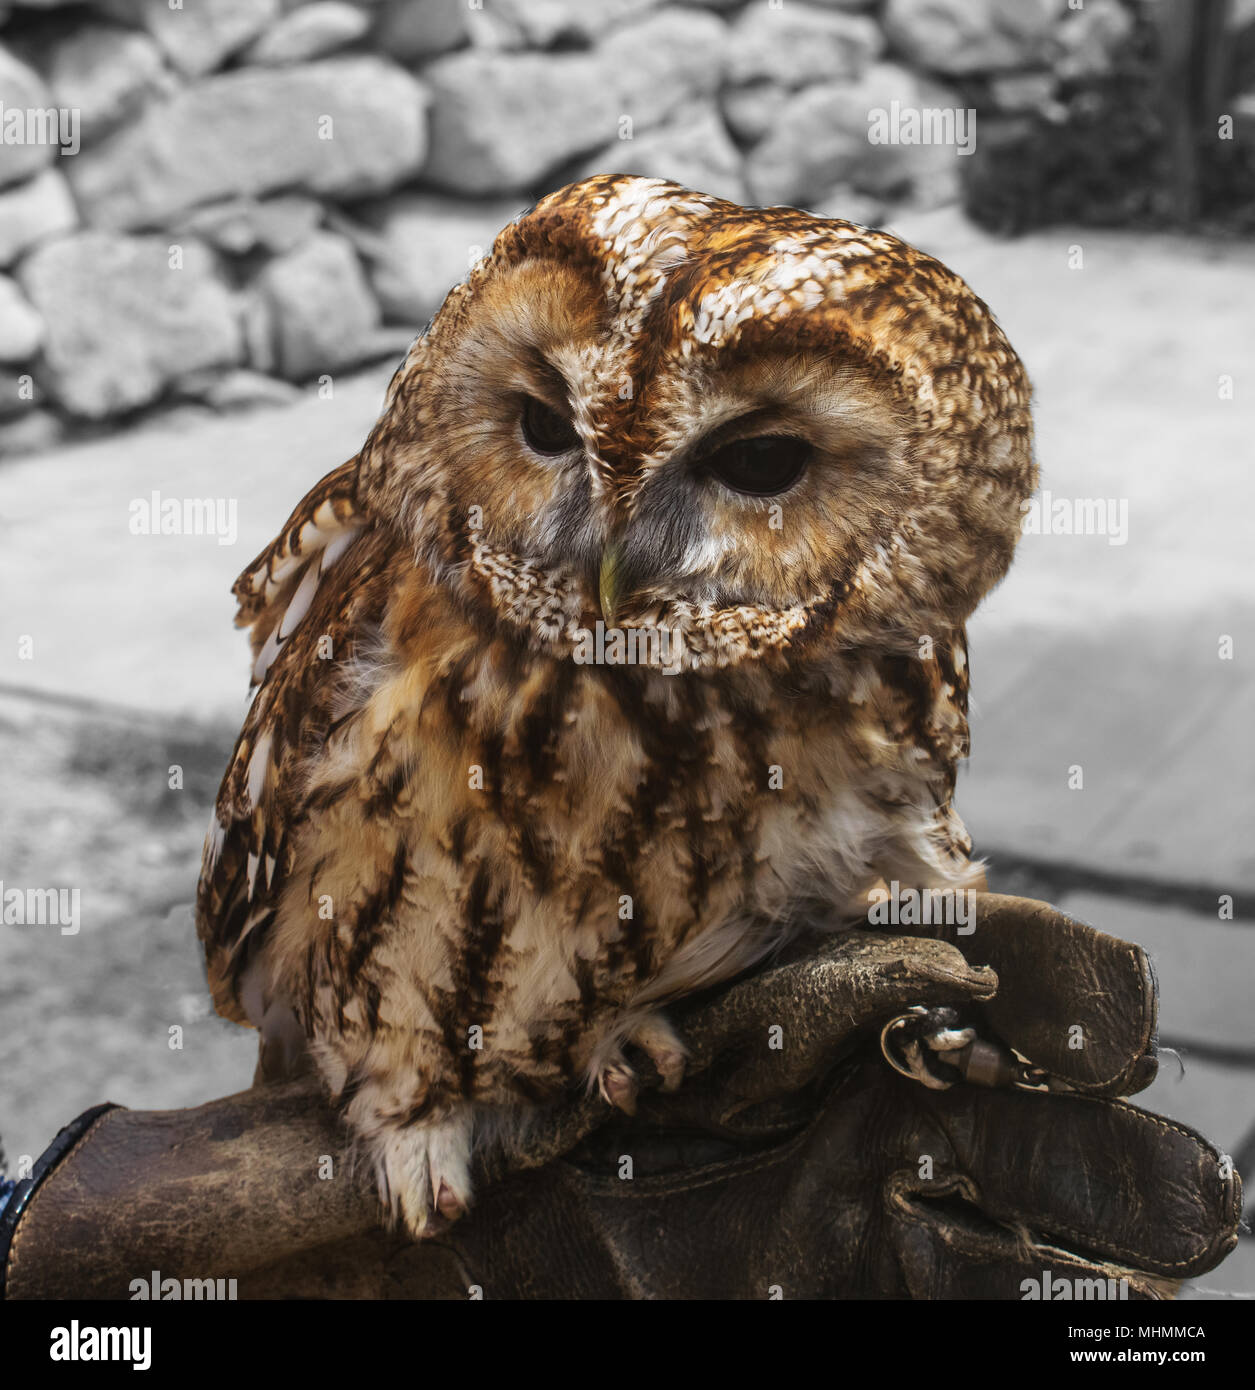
[(659, 1041), (670, 1067), (618, 1085), (940, 1030), (448, 1203), (949, 1039), (424, 1173)]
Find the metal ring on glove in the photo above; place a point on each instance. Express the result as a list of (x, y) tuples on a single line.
[(927, 1057)]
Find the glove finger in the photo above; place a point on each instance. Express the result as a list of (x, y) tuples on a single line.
[(946, 1249), (1091, 1176), (778, 1030), (1080, 1003), (546, 1134)]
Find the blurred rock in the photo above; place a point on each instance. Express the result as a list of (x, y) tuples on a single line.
[(543, 23), (1243, 110), (1025, 91), (944, 232), (32, 432), (254, 130), (322, 307), (414, 30), (23, 148), (964, 36), (313, 31), (822, 141), (664, 61), (936, 185), (33, 211), (492, 129), (753, 110), (199, 36), (257, 324), (819, 140), (799, 44), (236, 389), (107, 73), (390, 342), (424, 245), (771, 53), (181, 417), (1089, 40), (488, 133), (693, 149), (849, 205), (366, 242), (121, 324), (21, 328), (243, 225)]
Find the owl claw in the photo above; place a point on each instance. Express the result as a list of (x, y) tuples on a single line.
[(619, 1086), (424, 1173), (659, 1041), (670, 1068), (949, 1039), (448, 1203)]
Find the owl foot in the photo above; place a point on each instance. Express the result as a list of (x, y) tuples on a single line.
[(619, 1085), (659, 1041), (423, 1173)]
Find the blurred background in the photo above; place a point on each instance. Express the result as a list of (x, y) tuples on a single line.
[(222, 223)]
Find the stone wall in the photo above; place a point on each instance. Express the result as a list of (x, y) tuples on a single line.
[(222, 201)]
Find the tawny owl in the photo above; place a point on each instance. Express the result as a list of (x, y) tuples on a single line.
[(470, 843)]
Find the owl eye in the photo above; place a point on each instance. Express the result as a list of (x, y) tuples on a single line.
[(762, 465), (545, 431)]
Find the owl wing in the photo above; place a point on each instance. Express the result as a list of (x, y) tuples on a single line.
[(924, 712), (301, 627)]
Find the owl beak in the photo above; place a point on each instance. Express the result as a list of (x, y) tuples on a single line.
[(609, 580)]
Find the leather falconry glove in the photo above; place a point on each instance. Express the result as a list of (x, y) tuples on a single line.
[(800, 1158)]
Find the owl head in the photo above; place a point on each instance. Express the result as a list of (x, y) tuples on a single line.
[(767, 433)]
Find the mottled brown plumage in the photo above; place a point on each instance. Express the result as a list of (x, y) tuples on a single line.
[(465, 865)]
